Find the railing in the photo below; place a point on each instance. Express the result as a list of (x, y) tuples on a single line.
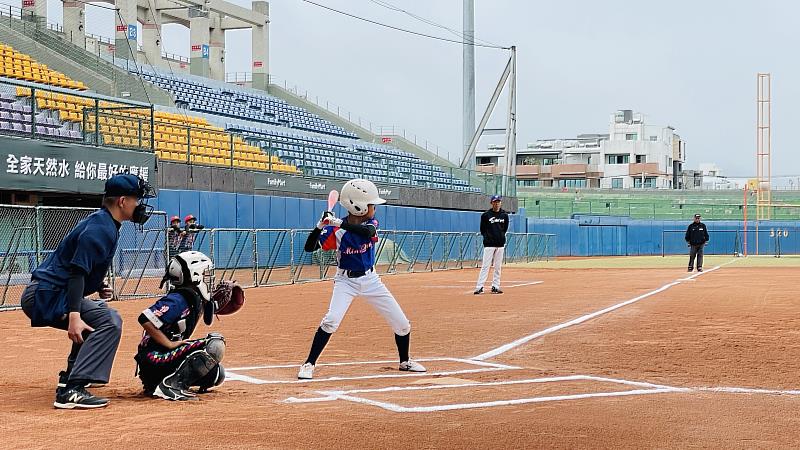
[(252, 257)]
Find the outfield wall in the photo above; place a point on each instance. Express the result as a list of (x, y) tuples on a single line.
[(586, 235), (229, 210)]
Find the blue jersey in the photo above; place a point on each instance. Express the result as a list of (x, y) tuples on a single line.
[(171, 314), (88, 248), (353, 252)]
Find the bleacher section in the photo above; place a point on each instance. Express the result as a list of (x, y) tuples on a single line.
[(14, 64), (260, 116), (232, 127), (343, 159), (228, 100), (177, 137)]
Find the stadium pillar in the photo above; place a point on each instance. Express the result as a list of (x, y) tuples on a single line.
[(199, 36), (35, 11), (468, 81), (127, 30), (151, 37), (260, 36), (216, 56), (74, 23)]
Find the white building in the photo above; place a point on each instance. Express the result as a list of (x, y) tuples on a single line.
[(632, 155)]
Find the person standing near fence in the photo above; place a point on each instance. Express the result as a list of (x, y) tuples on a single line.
[(175, 236), (696, 239), (494, 225), (77, 268), (190, 230)]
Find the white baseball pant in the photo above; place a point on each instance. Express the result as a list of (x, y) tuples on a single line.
[(492, 256), (374, 292)]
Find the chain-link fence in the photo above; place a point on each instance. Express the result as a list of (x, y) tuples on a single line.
[(260, 257)]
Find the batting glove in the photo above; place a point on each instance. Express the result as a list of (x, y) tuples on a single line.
[(333, 221), (321, 224)]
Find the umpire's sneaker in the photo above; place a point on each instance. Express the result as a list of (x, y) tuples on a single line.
[(496, 290), (306, 372), (63, 378), (412, 366), (78, 397), (478, 291)]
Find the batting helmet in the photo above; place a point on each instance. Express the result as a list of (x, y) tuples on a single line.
[(357, 194)]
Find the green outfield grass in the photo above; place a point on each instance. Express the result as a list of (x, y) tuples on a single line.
[(659, 262), (664, 205)]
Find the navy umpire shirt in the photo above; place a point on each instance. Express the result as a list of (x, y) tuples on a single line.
[(88, 248)]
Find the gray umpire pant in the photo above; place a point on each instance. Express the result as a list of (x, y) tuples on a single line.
[(92, 360), (696, 251)]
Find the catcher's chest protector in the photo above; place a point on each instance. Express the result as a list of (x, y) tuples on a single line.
[(184, 328)]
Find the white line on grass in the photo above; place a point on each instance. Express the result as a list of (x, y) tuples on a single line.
[(511, 345)]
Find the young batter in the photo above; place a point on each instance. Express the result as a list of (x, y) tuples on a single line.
[(354, 238)]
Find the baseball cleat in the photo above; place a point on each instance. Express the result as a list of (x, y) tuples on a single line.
[(170, 393), (699, 269), (478, 291), (412, 366), (78, 398), (690, 269), (306, 372), (496, 290)]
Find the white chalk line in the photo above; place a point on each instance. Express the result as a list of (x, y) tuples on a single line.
[(643, 388), (233, 375), (387, 361), (253, 380), (347, 395), (511, 345), (520, 401)]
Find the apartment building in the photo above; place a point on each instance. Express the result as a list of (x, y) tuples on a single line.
[(633, 154)]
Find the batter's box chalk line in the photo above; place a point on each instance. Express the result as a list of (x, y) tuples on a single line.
[(234, 374), (353, 395), (637, 388)]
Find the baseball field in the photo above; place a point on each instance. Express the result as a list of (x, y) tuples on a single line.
[(589, 353)]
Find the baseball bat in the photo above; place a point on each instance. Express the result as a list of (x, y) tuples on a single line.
[(333, 197)]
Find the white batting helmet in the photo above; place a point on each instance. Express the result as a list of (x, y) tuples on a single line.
[(192, 269), (357, 194)]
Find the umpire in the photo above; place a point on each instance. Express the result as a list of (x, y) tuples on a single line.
[(56, 294), (696, 239)]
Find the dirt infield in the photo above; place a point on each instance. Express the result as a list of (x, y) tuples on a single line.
[(590, 358)]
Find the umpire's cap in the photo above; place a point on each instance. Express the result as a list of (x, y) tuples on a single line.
[(125, 184)]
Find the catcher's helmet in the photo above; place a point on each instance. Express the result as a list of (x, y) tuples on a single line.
[(191, 269)]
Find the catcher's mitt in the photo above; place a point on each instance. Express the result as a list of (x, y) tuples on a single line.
[(228, 298)]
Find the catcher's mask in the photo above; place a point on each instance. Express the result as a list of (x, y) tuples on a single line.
[(190, 269)]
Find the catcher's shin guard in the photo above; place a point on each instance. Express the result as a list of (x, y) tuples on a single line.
[(194, 368)]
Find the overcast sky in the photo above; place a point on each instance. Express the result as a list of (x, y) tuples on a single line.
[(688, 64)]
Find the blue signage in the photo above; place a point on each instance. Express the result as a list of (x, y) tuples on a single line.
[(132, 32), (205, 51)]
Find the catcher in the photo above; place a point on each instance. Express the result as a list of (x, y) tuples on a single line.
[(169, 362)]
